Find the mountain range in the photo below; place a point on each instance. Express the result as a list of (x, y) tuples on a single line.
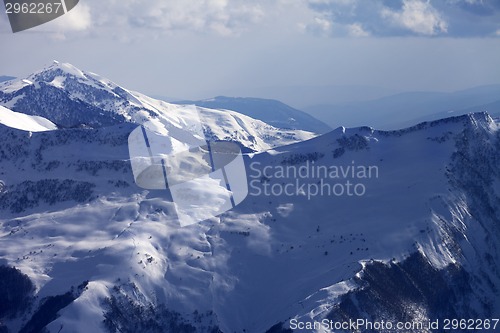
[(72, 98), (408, 108), (4, 78), (357, 223), (269, 111)]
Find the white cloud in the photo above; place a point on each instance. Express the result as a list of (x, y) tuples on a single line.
[(332, 2), (221, 17), (77, 19), (457, 18), (470, 2), (129, 18), (357, 30), (417, 16), (323, 23)]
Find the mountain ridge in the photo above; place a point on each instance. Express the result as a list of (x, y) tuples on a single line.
[(4, 78), (70, 97), (270, 111), (104, 255)]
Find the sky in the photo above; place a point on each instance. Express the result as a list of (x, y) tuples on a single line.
[(194, 49)]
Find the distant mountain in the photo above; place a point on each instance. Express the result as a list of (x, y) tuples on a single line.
[(4, 78), (269, 111), (492, 108), (300, 96), (404, 109)]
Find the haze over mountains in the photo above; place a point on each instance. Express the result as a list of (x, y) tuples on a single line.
[(302, 96), (4, 78), (354, 106), (416, 240), (322, 108), (408, 108)]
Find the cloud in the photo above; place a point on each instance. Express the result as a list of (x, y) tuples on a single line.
[(77, 19), (418, 17), (433, 18), (357, 30), (319, 26), (132, 19), (220, 17), (216, 16)]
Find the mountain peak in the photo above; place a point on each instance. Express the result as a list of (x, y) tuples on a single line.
[(60, 69), (70, 97)]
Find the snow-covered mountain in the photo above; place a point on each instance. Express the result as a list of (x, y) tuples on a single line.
[(357, 223), (24, 122), (269, 111), (408, 108), (70, 97), (4, 78)]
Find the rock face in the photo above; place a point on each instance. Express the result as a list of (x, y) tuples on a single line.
[(417, 240)]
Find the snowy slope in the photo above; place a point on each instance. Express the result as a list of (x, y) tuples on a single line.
[(492, 108), (72, 216), (70, 97), (4, 78), (24, 122), (270, 111)]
